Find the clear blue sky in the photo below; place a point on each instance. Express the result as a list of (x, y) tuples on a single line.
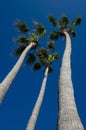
[(19, 101)]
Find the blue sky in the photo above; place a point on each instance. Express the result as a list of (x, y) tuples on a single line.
[(19, 101)]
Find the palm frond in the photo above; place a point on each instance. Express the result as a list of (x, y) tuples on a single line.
[(22, 26), (42, 61), (18, 51), (65, 19), (63, 23), (72, 32), (61, 34), (49, 59), (77, 21), (31, 59), (22, 39), (51, 45), (36, 67), (42, 53), (55, 56), (50, 69), (54, 35), (40, 29), (34, 37), (52, 20)]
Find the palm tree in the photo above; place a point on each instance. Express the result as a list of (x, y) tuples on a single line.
[(25, 44), (36, 109), (44, 59), (68, 117)]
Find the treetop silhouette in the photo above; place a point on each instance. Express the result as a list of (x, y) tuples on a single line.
[(63, 24), (40, 56)]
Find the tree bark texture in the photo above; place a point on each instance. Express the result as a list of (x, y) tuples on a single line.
[(68, 117), (32, 121), (5, 84)]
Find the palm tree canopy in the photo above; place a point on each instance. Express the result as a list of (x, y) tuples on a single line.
[(22, 40), (37, 57), (77, 21), (40, 29), (22, 26), (51, 45), (54, 35), (18, 51), (44, 58), (64, 24), (31, 59), (52, 20), (26, 38)]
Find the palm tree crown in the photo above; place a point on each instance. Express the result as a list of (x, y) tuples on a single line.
[(63, 24), (38, 57), (27, 37)]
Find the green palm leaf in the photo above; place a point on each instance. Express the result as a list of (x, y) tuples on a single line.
[(72, 32), (51, 45), (55, 56), (77, 21), (63, 23), (34, 37), (31, 59), (22, 39), (52, 20), (40, 29), (42, 61), (54, 35), (65, 19), (42, 53), (36, 66), (50, 69), (22, 26), (49, 59), (18, 51)]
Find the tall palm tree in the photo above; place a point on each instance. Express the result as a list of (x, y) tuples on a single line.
[(33, 118), (25, 44), (46, 61), (68, 117)]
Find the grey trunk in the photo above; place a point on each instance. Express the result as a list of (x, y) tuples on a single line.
[(5, 84), (35, 112), (68, 118)]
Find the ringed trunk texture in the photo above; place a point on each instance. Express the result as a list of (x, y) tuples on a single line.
[(32, 121), (5, 84), (68, 118)]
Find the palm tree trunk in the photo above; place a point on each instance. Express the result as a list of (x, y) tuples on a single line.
[(35, 112), (68, 118), (5, 84)]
